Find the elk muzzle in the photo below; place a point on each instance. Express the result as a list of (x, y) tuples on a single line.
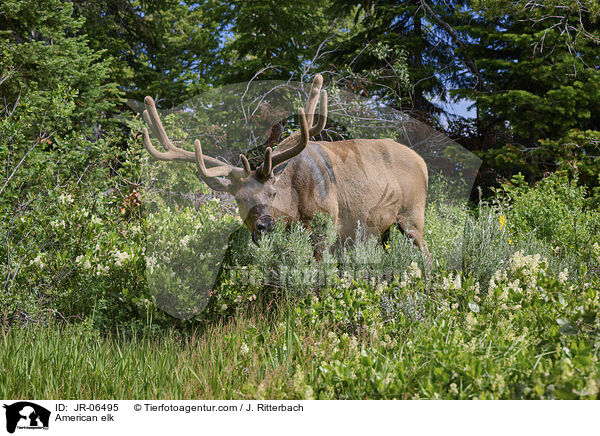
[(263, 224)]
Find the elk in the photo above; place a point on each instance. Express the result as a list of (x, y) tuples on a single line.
[(376, 182)]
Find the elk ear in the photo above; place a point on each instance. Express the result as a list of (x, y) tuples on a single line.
[(279, 169)]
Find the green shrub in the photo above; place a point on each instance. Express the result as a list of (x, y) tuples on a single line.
[(554, 211), (184, 251), (444, 229), (284, 261), (485, 246), (69, 254), (363, 257)]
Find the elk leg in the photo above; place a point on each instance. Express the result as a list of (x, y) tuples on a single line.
[(418, 239), (414, 231)]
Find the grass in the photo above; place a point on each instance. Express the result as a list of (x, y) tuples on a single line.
[(70, 362), (497, 317), (536, 340)]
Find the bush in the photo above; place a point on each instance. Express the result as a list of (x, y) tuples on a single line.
[(554, 211), (284, 262), (184, 251), (71, 252), (444, 230), (485, 246)]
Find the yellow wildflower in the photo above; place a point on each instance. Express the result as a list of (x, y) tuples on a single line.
[(502, 221)]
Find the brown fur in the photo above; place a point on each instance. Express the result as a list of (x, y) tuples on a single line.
[(377, 182)]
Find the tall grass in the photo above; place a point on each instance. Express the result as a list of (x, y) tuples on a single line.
[(71, 362)]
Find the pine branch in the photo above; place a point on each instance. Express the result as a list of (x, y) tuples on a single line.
[(456, 39)]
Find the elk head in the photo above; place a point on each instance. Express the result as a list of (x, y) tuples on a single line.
[(254, 190)]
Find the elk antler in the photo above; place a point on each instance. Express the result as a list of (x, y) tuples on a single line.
[(297, 141), (220, 169), (289, 147), (274, 160), (309, 110)]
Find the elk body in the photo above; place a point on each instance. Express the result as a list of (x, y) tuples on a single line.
[(376, 182)]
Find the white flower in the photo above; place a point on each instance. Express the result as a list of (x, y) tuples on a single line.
[(452, 282), (224, 307), (345, 281), (498, 277), (96, 220), (563, 276), (244, 348), (120, 257), (596, 251), (38, 261), (83, 261), (65, 199), (471, 320), (184, 241), (529, 266), (515, 286), (457, 282), (405, 280), (102, 269), (56, 224), (446, 282), (414, 270)]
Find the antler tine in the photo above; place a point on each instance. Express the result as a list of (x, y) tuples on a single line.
[(153, 120), (315, 92), (297, 148), (245, 163), (309, 109), (174, 153), (213, 176), (267, 165), (318, 128), (209, 173)]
